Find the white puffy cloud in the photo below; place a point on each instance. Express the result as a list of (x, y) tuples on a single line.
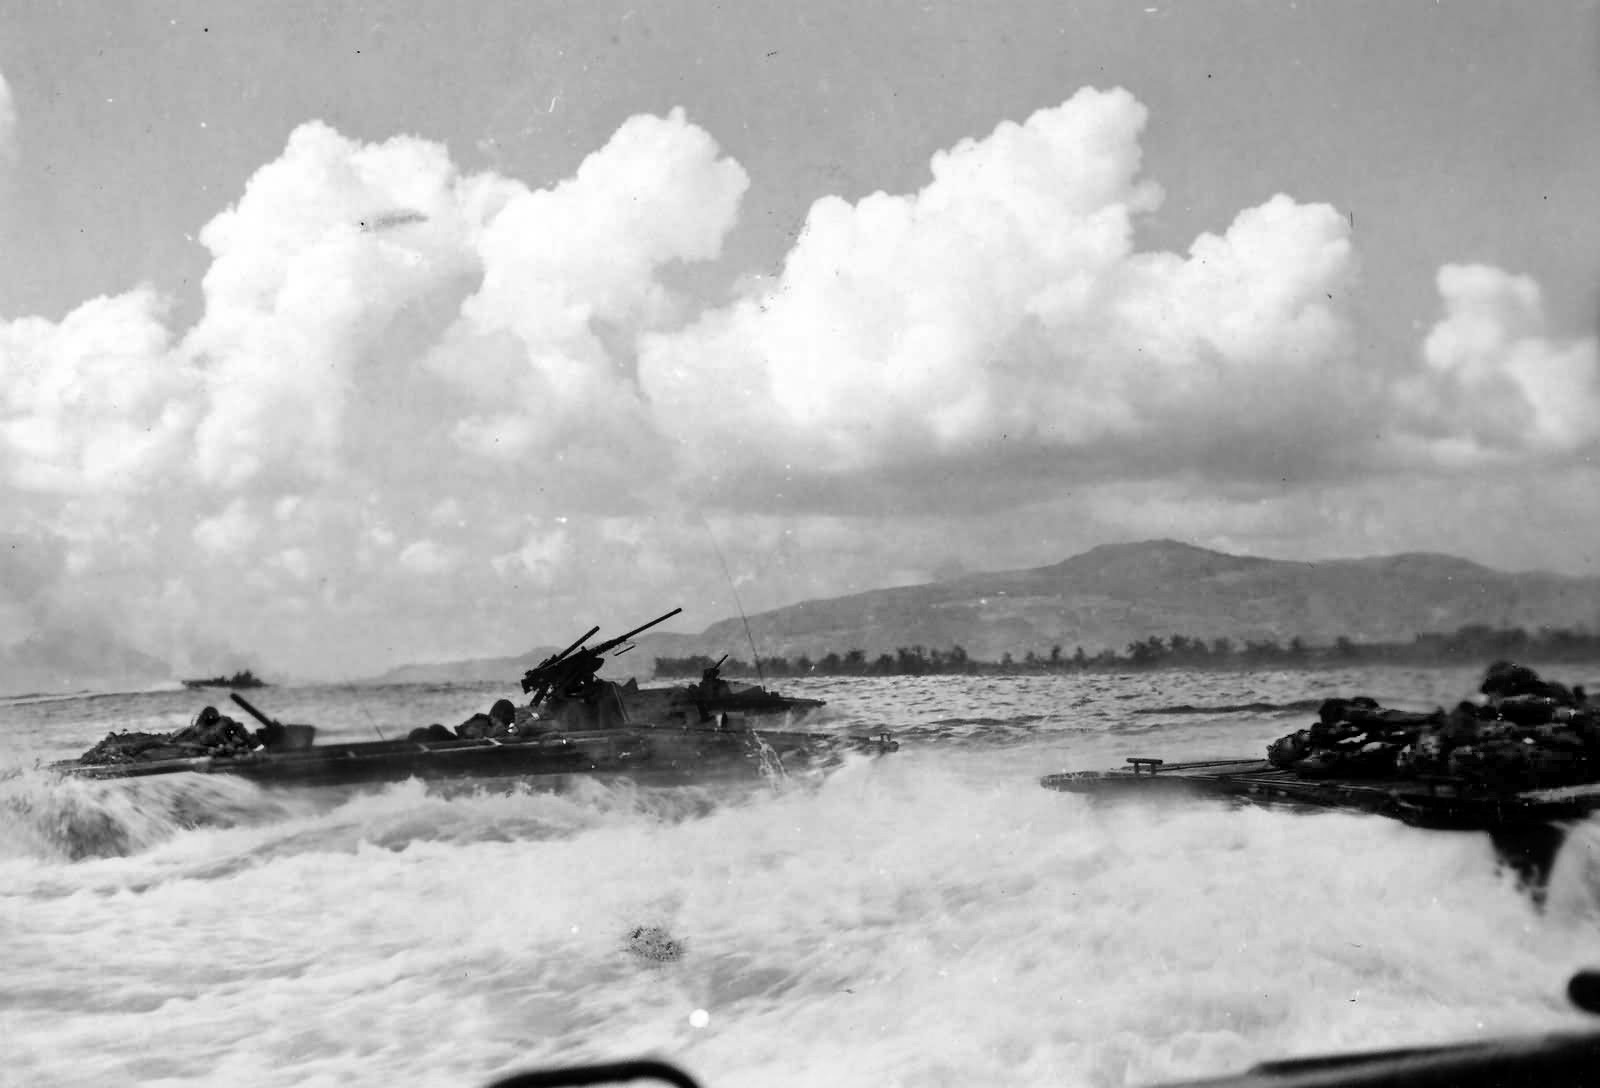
[(468, 414), (95, 403), (1003, 308), (285, 452), (335, 257), (1494, 385), (570, 271), (368, 296)]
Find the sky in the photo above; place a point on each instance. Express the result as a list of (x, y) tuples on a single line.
[(333, 340)]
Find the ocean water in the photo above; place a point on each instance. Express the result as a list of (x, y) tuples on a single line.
[(931, 917)]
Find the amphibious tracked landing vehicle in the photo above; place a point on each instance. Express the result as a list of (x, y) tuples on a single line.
[(661, 754), (575, 724), (1523, 765), (713, 696)]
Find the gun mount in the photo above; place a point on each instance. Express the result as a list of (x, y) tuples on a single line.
[(571, 673)]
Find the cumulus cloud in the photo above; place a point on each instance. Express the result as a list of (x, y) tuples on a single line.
[(1494, 385), (569, 271), (473, 314), (457, 410), (1004, 303), (93, 403), (303, 299), (375, 324)]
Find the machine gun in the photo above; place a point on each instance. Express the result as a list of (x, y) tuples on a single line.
[(570, 673), (711, 682)]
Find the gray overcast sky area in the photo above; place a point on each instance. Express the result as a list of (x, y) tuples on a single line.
[(421, 330)]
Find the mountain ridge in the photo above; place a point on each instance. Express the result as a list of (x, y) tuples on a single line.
[(1115, 594), (1107, 597)]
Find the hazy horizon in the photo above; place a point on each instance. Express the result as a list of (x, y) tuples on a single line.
[(677, 627)]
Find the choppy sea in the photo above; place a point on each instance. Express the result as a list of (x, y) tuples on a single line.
[(930, 917)]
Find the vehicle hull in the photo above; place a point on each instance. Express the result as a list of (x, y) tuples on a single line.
[(655, 753), (1439, 803)]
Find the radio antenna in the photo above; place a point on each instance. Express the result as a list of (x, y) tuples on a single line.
[(754, 653)]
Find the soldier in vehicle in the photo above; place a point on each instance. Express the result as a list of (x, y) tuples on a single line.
[(1506, 680), (499, 722), (217, 732), (504, 716)]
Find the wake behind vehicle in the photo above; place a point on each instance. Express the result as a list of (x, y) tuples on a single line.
[(574, 724)]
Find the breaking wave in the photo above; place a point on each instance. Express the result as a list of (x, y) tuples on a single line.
[(930, 917), (51, 816), (911, 923)]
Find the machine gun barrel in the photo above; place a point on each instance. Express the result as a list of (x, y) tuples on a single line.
[(569, 650), (270, 723), (273, 733), (620, 639), (571, 666)]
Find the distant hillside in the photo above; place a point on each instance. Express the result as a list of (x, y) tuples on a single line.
[(1111, 596), (1116, 594)]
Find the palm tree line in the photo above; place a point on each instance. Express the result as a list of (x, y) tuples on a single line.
[(1470, 644)]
